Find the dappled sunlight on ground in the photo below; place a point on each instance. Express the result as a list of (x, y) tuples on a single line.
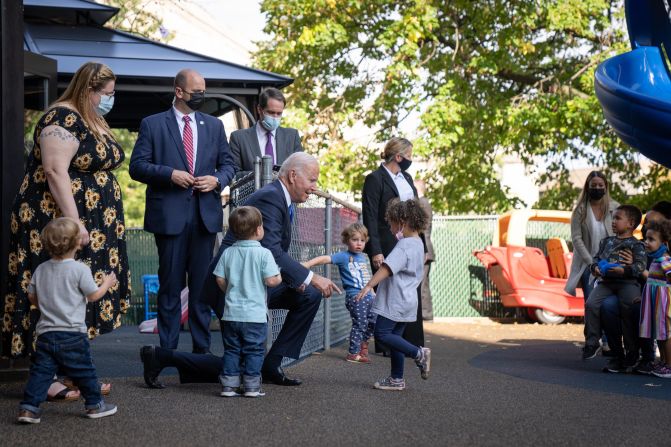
[(489, 332)]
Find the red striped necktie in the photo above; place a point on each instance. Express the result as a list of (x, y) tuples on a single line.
[(187, 139)]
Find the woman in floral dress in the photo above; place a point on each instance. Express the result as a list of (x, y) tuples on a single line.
[(69, 173)]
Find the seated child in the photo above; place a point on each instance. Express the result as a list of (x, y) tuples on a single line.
[(655, 319), (396, 302), (243, 272), (60, 288), (354, 273), (615, 279)]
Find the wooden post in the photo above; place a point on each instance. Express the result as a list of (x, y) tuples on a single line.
[(11, 140)]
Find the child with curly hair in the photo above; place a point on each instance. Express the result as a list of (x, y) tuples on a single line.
[(396, 300), (655, 319)]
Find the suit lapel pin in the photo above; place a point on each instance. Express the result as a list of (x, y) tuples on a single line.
[(201, 122)]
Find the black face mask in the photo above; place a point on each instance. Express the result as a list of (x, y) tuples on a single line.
[(596, 193), (196, 101), (404, 164)]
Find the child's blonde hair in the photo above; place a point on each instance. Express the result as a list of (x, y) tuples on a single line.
[(60, 236), (410, 213), (352, 229)]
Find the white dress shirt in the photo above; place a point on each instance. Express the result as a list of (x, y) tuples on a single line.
[(404, 189), (194, 130), (307, 280), (262, 135)]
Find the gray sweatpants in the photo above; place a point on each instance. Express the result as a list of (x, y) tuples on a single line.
[(628, 292)]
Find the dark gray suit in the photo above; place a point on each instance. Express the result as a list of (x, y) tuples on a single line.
[(245, 146)]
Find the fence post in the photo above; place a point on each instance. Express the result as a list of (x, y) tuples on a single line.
[(257, 174), (328, 246), (266, 170)]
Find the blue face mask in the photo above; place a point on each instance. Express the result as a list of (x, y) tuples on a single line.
[(106, 104), (270, 123), (658, 253)]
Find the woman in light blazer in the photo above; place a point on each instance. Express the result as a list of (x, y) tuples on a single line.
[(590, 222)]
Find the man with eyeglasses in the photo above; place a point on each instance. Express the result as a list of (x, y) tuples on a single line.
[(184, 158), (266, 137)]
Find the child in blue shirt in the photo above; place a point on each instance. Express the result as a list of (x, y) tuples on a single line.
[(354, 273), (243, 272)]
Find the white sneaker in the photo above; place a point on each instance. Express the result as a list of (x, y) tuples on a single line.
[(424, 364), (229, 391), (104, 409)]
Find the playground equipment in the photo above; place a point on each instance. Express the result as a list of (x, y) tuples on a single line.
[(634, 88), (525, 276)]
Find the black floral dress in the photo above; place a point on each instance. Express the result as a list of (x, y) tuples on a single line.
[(98, 198)]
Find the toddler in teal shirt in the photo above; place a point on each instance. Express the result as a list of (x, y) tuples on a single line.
[(243, 272)]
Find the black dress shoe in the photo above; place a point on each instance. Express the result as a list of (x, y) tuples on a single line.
[(152, 367), (276, 376)]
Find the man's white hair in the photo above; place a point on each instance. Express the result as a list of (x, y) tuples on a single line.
[(299, 162)]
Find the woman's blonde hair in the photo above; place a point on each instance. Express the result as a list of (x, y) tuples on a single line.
[(584, 196), (91, 75), (395, 146), (60, 236)]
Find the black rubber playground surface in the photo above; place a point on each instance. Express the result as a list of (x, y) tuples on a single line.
[(559, 364), (508, 390)]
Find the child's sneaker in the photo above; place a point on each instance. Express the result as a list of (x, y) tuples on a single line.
[(644, 368), (229, 391), (589, 352), (364, 349), (390, 384), (662, 371), (424, 362), (357, 358), (103, 409), (615, 365), (254, 392), (28, 417)]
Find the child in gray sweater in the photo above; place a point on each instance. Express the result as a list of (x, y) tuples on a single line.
[(616, 279), (60, 288)]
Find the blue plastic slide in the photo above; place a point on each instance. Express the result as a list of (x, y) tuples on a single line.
[(634, 88)]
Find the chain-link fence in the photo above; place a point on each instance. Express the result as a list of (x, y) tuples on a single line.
[(318, 217), (460, 284)]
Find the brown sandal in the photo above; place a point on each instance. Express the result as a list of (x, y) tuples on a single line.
[(64, 395), (105, 388)]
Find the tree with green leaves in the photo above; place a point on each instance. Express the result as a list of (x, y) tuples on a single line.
[(482, 79)]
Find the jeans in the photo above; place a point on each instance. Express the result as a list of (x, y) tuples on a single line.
[(243, 343), (584, 280), (628, 293), (69, 353), (612, 326), (363, 321), (389, 333)]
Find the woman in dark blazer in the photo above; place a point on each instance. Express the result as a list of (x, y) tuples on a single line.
[(389, 181)]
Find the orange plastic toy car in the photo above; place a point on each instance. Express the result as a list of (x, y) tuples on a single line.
[(524, 276)]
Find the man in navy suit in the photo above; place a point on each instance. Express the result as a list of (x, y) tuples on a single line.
[(184, 158), (300, 292)]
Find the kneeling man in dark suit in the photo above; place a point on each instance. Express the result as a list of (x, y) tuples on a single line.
[(300, 292)]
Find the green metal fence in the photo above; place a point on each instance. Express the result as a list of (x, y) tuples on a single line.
[(459, 283), (142, 260)]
